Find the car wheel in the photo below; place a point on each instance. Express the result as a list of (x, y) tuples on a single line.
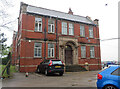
[(110, 87), (46, 72), (61, 74)]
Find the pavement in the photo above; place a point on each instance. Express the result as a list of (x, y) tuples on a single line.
[(69, 79)]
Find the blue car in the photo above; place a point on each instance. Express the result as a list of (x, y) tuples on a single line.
[(109, 78)]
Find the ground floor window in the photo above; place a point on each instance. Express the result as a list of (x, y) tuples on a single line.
[(50, 50), (83, 52), (92, 53), (37, 49)]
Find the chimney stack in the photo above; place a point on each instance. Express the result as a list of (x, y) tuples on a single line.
[(88, 17), (70, 11), (96, 21)]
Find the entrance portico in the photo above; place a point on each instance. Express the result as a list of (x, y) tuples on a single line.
[(68, 50)]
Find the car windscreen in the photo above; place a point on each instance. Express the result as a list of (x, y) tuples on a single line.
[(56, 62)]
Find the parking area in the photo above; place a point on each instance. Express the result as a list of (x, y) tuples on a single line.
[(69, 79)]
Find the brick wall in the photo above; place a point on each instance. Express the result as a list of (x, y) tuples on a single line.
[(27, 60)]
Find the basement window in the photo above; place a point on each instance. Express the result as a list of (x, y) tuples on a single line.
[(51, 26), (82, 31), (50, 50), (38, 24), (92, 53), (83, 51), (37, 50)]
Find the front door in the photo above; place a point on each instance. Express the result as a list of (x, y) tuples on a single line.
[(68, 55)]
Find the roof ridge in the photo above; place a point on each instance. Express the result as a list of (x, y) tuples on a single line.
[(56, 11)]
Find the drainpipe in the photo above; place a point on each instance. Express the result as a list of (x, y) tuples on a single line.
[(97, 47), (56, 39), (45, 41)]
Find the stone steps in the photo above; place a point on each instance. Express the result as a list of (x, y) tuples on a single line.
[(74, 68)]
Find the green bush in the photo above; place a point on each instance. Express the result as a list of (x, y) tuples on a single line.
[(12, 70), (5, 60)]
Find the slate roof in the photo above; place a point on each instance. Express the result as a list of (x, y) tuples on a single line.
[(57, 14)]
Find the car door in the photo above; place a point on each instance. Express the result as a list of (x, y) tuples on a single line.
[(45, 65), (40, 67)]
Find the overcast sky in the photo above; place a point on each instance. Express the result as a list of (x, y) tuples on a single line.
[(104, 10)]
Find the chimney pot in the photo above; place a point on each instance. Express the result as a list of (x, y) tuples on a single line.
[(70, 11)]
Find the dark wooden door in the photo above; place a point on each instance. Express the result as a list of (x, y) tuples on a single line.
[(68, 55)]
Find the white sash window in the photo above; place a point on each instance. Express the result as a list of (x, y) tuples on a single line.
[(64, 28), (38, 24), (50, 50), (37, 49)]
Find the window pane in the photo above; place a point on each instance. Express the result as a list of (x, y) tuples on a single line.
[(64, 28), (37, 44), (38, 24), (91, 32), (51, 26), (71, 29), (82, 30), (38, 19), (37, 50), (92, 55), (83, 51), (50, 46), (40, 27), (50, 50)]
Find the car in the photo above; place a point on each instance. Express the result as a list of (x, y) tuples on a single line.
[(51, 66), (109, 78)]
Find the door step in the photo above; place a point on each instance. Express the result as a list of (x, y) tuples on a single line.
[(74, 68)]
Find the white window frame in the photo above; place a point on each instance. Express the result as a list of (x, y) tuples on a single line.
[(39, 49), (64, 28), (38, 21), (91, 33), (50, 50), (82, 30), (51, 23), (92, 52), (71, 29), (83, 51)]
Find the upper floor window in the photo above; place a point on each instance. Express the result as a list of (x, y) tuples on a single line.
[(91, 32), (83, 52), (92, 53), (50, 50), (37, 49), (38, 24), (51, 26), (82, 31), (64, 28), (71, 29)]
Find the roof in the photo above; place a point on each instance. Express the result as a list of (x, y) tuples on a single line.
[(58, 14)]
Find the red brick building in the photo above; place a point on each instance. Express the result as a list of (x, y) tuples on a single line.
[(48, 34)]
